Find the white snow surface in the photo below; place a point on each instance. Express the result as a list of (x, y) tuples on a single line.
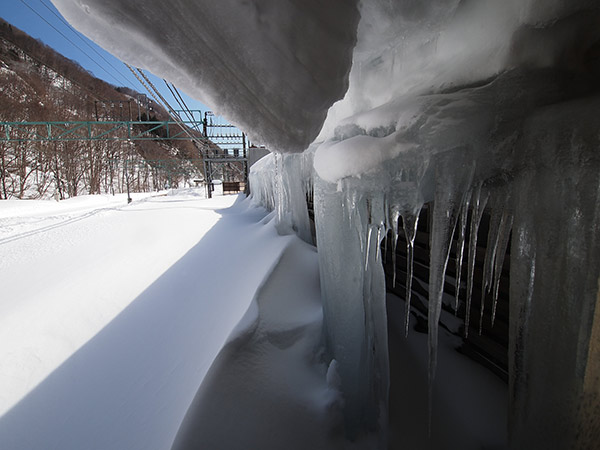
[(111, 314)]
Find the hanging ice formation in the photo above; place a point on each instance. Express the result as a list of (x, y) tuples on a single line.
[(536, 166), (282, 182), (460, 104), (520, 145)]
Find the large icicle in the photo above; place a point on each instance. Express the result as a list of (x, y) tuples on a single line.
[(449, 193), (395, 215), (285, 192), (460, 248), (262, 182), (503, 239), (292, 213), (480, 198), (376, 321), (352, 284), (410, 221), (490, 253)]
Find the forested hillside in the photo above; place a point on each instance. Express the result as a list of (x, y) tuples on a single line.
[(37, 85)]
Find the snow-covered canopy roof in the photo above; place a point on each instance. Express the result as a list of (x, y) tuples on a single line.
[(274, 67)]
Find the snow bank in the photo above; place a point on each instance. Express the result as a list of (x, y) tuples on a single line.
[(267, 388)]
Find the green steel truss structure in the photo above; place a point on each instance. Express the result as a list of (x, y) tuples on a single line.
[(196, 128), (96, 131), (189, 126)]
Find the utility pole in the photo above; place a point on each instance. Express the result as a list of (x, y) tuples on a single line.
[(127, 179), (127, 171)]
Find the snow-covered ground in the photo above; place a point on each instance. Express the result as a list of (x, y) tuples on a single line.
[(111, 314)]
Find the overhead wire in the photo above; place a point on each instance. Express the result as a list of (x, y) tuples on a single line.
[(173, 95), (182, 105), (183, 109), (233, 138), (78, 34), (143, 84), (69, 40), (180, 97), (154, 92)]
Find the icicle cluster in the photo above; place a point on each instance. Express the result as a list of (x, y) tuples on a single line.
[(282, 182), (538, 175)]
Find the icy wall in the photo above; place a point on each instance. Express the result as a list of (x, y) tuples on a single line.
[(463, 104)]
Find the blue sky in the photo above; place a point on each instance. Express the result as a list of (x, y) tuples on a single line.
[(41, 20)]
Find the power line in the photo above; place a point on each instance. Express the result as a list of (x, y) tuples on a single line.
[(178, 102), (199, 143), (182, 104), (182, 100), (145, 85), (69, 40), (180, 97), (165, 103), (153, 92), (127, 82)]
